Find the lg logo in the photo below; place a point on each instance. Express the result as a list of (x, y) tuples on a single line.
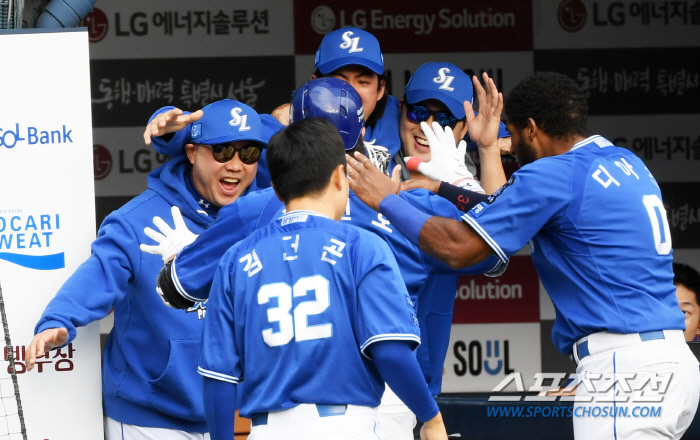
[(323, 20), (97, 25), (239, 120), (572, 15), (350, 43), (444, 79)]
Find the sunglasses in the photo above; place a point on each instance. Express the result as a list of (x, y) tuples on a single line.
[(248, 153), (418, 113)]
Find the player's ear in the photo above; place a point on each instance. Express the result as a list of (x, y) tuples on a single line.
[(382, 89), (531, 130), (697, 333), (338, 177), (189, 149), (313, 76)]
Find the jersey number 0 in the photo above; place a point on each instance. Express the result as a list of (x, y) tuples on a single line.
[(298, 325)]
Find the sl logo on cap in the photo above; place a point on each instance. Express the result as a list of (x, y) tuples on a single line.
[(444, 79), (351, 43), (239, 120)]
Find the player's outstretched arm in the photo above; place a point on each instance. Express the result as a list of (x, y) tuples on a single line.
[(43, 342), (169, 122), (450, 241), (399, 368), (483, 130), (219, 408)]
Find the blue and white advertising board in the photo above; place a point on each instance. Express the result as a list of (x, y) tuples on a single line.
[(47, 222)]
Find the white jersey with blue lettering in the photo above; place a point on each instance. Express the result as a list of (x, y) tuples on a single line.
[(598, 235), (293, 309)]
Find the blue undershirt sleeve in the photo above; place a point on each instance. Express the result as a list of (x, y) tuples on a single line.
[(407, 219), (400, 370), (220, 408)]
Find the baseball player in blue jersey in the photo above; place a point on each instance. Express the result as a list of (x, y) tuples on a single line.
[(354, 55), (150, 385), (169, 129), (600, 241), (188, 278), (310, 313), (438, 92)]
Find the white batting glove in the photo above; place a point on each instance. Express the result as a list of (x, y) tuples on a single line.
[(446, 160), (170, 241)]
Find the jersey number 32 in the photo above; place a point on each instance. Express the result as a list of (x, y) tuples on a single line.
[(294, 324)]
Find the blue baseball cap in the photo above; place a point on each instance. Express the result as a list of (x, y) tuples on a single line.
[(346, 46), (228, 121), (444, 82)]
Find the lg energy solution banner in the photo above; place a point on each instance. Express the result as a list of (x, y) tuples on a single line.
[(47, 222)]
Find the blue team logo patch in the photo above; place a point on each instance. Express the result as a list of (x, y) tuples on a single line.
[(478, 209), (492, 198), (196, 130)]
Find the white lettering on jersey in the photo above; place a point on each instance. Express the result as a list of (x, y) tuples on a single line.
[(252, 263), (382, 223), (239, 120), (606, 183), (626, 168), (350, 43), (444, 79), (333, 250), (282, 314), (661, 233), (295, 246)]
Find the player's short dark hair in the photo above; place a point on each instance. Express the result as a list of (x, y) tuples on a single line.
[(687, 276), (553, 100), (302, 157), (381, 104)]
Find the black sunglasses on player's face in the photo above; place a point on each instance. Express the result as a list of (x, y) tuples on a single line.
[(248, 153), (419, 113)]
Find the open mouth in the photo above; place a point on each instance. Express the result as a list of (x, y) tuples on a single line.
[(421, 144), (229, 184)]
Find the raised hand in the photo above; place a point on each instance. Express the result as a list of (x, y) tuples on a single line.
[(483, 128), (169, 122), (370, 184), (446, 159), (170, 241)]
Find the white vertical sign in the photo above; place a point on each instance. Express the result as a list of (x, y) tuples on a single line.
[(47, 221)]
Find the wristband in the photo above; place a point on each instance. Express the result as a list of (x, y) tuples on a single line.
[(407, 219), (463, 199)]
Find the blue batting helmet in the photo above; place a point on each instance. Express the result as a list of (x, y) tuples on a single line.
[(332, 99)]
